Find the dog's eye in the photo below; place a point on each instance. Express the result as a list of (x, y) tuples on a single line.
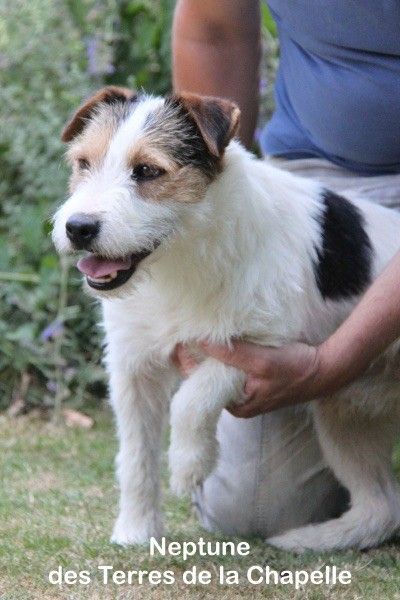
[(83, 164), (146, 172)]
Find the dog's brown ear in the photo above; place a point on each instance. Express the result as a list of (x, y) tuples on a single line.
[(107, 95), (217, 119)]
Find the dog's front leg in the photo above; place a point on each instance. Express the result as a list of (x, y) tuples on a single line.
[(195, 411), (140, 403)]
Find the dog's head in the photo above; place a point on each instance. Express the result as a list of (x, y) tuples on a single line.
[(139, 164)]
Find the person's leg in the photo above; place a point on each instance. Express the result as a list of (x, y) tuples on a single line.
[(359, 449), (271, 475), (383, 189)]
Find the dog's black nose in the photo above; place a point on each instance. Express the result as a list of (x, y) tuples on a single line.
[(82, 229)]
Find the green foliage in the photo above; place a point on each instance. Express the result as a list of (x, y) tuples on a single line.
[(267, 20), (52, 54), (142, 45), (269, 64)]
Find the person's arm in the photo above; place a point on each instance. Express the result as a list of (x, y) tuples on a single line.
[(216, 51), (295, 373)]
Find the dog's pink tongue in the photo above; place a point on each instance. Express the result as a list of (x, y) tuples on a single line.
[(94, 266)]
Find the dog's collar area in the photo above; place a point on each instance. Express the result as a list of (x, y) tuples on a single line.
[(108, 274)]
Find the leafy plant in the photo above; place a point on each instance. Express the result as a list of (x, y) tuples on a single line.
[(142, 45), (52, 54)]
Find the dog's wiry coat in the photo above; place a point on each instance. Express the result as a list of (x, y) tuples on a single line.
[(241, 249)]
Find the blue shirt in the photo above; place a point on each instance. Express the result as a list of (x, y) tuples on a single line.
[(337, 90)]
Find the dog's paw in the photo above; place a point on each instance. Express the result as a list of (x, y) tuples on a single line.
[(189, 469), (126, 533), (185, 483)]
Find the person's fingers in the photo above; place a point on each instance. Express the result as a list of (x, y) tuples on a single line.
[(248, 357), (252, 405), (249, 409), (183, 360), (252, 386)]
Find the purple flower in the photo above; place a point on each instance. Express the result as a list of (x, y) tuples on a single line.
[(91, 52), (257, 135), (263, 85), (53, 330), (52, 386), (109, 69), (94, 62)]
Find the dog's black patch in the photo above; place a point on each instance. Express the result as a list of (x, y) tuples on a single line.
[(196, 152), (178, 135), (344, 262)]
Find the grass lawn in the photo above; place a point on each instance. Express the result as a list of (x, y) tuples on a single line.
[(57, 503)]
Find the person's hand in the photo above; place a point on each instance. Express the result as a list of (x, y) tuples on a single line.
[(276, 377)]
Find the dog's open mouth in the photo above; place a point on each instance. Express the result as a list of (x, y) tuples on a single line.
[(108, 274)]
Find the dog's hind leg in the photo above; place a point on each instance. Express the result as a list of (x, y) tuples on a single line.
[(140, 402), (195, 411), (358, 450)]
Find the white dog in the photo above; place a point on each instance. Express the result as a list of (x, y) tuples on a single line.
[(190, 237)]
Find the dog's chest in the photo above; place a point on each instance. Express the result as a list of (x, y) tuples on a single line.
[(155, 320)]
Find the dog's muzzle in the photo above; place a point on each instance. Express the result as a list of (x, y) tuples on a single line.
[(101, 273)]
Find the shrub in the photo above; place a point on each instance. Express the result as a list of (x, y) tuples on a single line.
[(51, 55)]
